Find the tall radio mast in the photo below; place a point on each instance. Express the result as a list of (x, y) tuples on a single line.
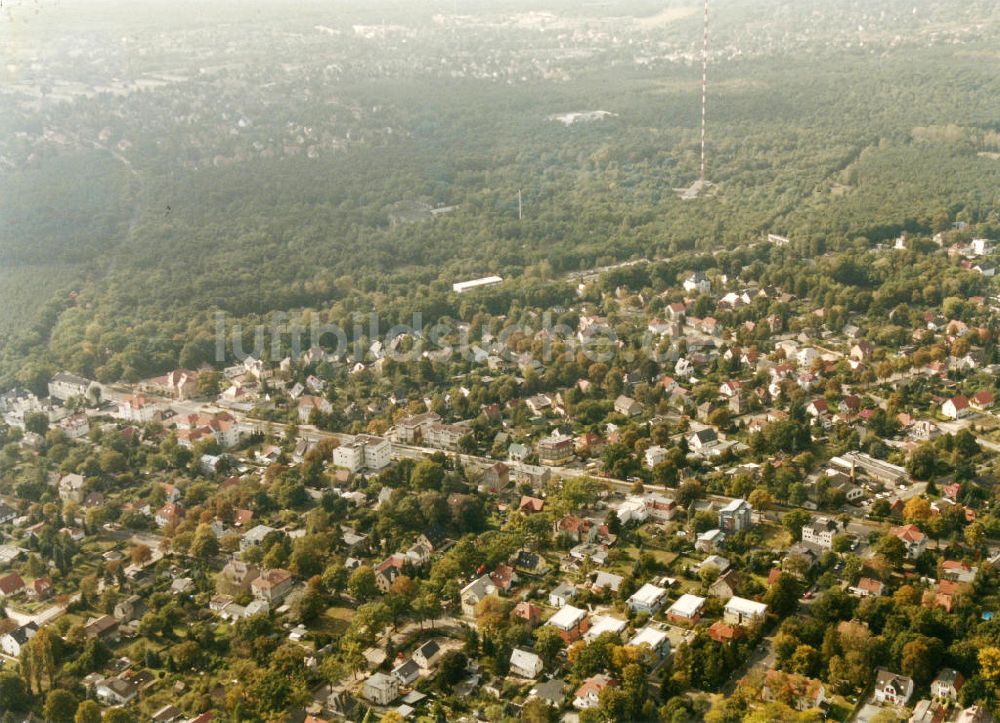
[(702, 185), (704, 88)]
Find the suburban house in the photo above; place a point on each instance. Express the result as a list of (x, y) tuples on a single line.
[(730, 388), (116, 691), (647, 599), (862, 350), (817, 408), (10, 584), (71, 488), (632, 509), (570, 622), (518, 452), (380, 689), (868, 587), (504, 578), (655, 455), (892, 688), (686, 610), (947, 684), (722, 632), (589, 692), (530, 505), (660, 507), (605, 581), (254, 536), (956, 407), (601, 624), (11, 642), (726, 585), (131, 608), (433, 537), (496, 477), (427, 654), (475, 591), (561, 594), (308, 404), (40, 588), (702, 440), (272, 586), (697, 282), (168, 514), (913, 538), (406, 672), (740, 611), (388, 570), (627, 406), (657, 640), (236, 577), (525, 664), (76, 426), (944, 595), (579, 529), (104, 628), (709, 541), (531, 614)]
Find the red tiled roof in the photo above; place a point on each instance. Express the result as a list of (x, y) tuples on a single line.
[(908, 533), (9, 584)]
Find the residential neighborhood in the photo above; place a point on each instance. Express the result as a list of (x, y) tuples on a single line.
[(786, 512)]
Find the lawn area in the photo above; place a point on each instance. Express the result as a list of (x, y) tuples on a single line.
[(662, 556), (335, 620), (31, 607), (631, 554), (840, 708), (98, 546), (774, 537)]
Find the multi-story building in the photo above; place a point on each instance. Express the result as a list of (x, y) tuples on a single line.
[(570, 622), (740, 611), (647, 599), (821, 532), (65, 385), (363, 452), (737, 516), (445, 436), (71, 488), (137, 409), (272, 586), (413, 429), (555, 450)]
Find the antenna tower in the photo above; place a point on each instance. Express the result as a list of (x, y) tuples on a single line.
[(704, 88)]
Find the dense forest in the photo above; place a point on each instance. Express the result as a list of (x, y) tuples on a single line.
[(114, 257)]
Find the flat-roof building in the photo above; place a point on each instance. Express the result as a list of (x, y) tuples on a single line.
[(463, 286)]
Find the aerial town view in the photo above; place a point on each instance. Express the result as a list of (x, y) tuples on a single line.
[(499, 360)]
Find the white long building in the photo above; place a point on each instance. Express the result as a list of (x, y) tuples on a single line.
[(463, 286)]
